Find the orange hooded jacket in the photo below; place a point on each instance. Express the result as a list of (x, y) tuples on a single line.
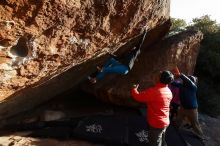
[(158, 100)]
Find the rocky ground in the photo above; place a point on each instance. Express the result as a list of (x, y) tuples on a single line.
[(68, 107), (15, 140), (211, 128)]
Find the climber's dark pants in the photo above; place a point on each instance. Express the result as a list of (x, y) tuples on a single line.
[(157, 136)]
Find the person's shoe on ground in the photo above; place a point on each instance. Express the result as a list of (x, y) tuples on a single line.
[(205, 140)]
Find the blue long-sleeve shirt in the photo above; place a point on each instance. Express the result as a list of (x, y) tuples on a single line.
[(188, 89)]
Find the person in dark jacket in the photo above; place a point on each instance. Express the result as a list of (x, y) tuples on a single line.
[(188, 100)]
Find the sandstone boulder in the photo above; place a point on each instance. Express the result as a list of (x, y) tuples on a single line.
[(47, 47)]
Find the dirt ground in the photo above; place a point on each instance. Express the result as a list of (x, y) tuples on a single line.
[(81, 105)]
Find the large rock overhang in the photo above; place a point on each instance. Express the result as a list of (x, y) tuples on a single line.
[(47, 47)]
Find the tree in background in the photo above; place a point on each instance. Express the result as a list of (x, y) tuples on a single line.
[(208, 62), (177, 24), (208, 65), (206, 25)]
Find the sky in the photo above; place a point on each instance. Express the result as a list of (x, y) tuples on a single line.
[(189, 9)]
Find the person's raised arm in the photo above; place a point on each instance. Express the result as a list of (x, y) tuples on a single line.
[(139, 96), (185, 79), (176, 73)]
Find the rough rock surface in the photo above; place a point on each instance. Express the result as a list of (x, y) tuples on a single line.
[(40, 40), (211, 129), (180, 49)]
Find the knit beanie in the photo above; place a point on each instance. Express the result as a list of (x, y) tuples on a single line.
[(166, 77)]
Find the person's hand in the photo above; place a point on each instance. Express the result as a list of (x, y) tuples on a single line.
[(110, 53), (135, 86), (133, 48), (176, 71)]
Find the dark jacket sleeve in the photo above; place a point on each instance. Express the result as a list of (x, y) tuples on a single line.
[(187, 81)]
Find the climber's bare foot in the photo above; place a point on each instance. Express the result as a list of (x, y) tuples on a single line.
[(99, 68), (92, 80)]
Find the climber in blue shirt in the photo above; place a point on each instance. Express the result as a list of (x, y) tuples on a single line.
[(119, 64)]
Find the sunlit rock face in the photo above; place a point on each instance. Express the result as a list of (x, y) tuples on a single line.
[(179, 50), (47, 47)]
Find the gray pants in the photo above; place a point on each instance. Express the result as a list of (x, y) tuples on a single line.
[(192, 116), (157, 136)]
